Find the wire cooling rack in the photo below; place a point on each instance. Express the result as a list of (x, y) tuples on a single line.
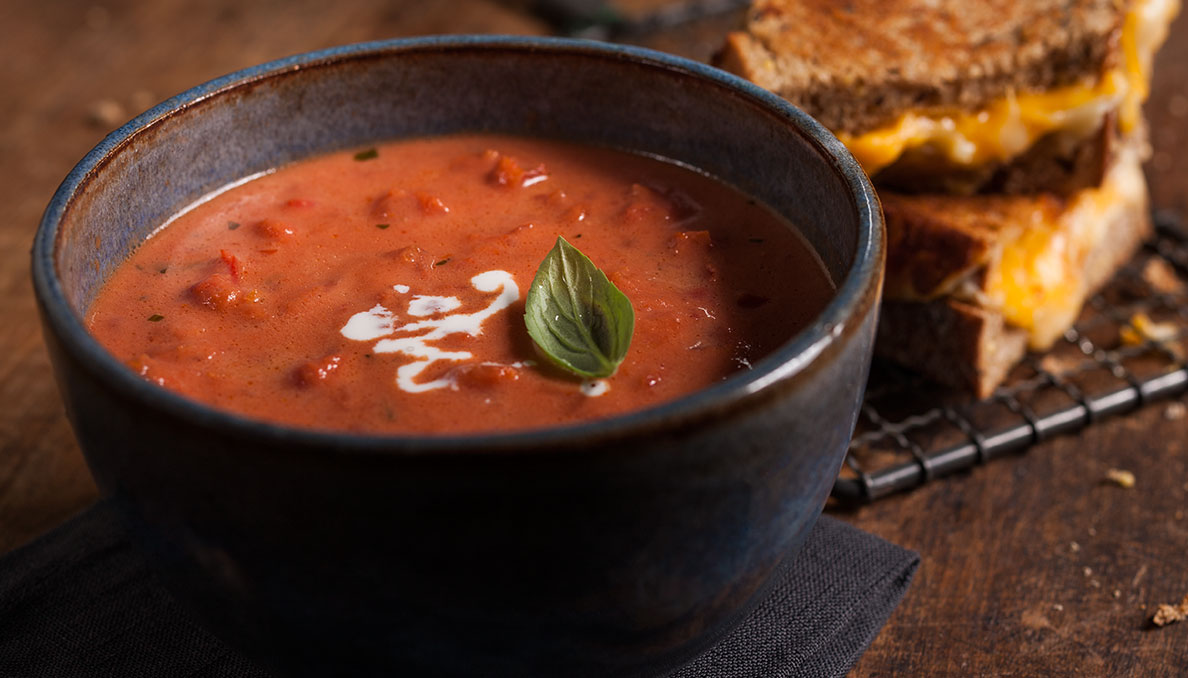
[(1128, 348)]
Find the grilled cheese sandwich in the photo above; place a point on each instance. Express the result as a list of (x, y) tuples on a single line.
[(1015, 121), (1030, 253), (1006, 140), (985, 278)]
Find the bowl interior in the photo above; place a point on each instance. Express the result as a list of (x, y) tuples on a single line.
[(617, 97)]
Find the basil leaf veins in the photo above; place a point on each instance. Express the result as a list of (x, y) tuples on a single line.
[(576, 316)]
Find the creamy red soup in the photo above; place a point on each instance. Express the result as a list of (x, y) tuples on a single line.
[(382, 289)]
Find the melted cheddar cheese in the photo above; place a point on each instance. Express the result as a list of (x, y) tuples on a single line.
[(1038, 280), (1014, 123)]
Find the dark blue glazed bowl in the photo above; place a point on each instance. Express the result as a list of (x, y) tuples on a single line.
[(619, 547)]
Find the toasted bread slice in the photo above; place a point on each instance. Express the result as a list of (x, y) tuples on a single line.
[(972, 283), (860, 64), (947, 95)]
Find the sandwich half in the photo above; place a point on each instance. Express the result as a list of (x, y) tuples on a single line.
[(974, 282), (1006, 139), (954, 96)]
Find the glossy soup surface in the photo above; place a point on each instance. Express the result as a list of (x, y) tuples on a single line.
[(382, 290)]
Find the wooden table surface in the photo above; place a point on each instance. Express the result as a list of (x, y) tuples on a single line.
[(1032, 566)]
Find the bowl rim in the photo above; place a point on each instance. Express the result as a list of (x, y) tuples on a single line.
[(863, 278)]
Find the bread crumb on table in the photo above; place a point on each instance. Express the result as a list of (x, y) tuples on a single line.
[(1167, 614), (1175, 411), (1120, 477), (105, 113), (1162, 277), (1058, 365), (1143, 329)]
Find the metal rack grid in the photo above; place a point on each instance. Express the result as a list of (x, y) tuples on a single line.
[(1128, 348)]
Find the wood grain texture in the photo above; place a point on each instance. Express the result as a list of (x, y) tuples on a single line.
[(1002, 590), (1036, 566)]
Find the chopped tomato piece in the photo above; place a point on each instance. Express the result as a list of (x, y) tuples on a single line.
[(507, 172), (431, 204), (233, 265), (316, 371), (216, 291), (485, 375), (274, 229), (221, 293)]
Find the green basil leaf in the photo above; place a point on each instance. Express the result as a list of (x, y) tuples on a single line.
[(576, 316)]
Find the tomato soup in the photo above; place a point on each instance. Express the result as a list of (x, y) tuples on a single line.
[(382, 289)]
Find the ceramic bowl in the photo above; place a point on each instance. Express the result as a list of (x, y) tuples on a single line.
[(619, 547)]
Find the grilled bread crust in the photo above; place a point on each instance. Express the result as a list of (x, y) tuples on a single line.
[(858, 64), (951, 343)]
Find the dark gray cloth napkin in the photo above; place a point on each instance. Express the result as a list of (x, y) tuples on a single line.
[(80, 601)]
